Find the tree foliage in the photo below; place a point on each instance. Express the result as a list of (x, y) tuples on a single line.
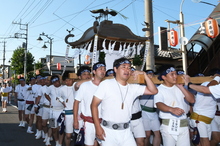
[(17, 61)]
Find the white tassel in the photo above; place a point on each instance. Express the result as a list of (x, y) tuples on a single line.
[(120, 49), (112, 48), (104, 47), (138, 49), (109, 47), (127, 52)]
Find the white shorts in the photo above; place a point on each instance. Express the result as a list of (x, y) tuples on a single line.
[(215, 125), (204, 129), (45, 113), (89, 133), (21, 105), (118, 137), (54, 114), (137, 128), (4, 99), (69, 123), (151, 124), (27, 112), (171, 140)]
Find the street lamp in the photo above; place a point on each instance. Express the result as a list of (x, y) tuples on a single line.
[(44, 46), (199, 1)]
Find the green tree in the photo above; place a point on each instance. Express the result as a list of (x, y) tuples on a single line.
[(17, 62)]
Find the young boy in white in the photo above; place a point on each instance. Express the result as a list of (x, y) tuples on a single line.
[(29, 107), (116, 97), (45, 109), (20, 91), (5, 94), (137, 126), (150, 117), (203, 113), (85, 95), (215, 126), (172, 101), (38, 108), (57, 106), (67, 92)]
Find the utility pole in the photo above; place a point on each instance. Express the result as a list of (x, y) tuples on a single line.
[(23, 36), (3, 66), (150, 61)]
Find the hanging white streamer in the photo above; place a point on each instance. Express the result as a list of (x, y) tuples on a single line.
[(128, 49), (112, 48), (66, 59), (109, 47), (138, 49), (145, 54), (120, 48), (104, 47)]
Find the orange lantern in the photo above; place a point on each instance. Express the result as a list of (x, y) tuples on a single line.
[(211, 27), (87, 59), (58, 66), (173, 37)]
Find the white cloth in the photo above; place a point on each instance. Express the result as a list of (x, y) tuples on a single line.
[(85, 96), (148, 101), (42, 91), (32, 94), (109, 91), (205, 104), (215, 90), (21, 91), (68, 94), (54, 92), (137, 126), (171, 96)]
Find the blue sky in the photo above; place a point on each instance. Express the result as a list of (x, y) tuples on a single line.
[(54, 17)]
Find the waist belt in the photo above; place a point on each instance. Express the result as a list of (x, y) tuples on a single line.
[(136, 116), (47, 106), (88, 119), (29, 102), (183, 122), (217, 113), (20, 99), (201, 118), (115, 126), (68, 112), (148, 109), (4, 94), (56, 108)]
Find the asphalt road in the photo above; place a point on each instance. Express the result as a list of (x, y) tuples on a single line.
[(11, 134)]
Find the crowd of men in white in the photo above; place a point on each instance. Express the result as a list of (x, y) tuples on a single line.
[(112, 112)]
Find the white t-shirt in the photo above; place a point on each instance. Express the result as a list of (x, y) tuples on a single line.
[(109, 91), (173, 97), (85, 96), (21, 91), (54, 92), (32, 94), (68, 94), (205, 104), (41, 92), (148, 101), (215, 90)]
